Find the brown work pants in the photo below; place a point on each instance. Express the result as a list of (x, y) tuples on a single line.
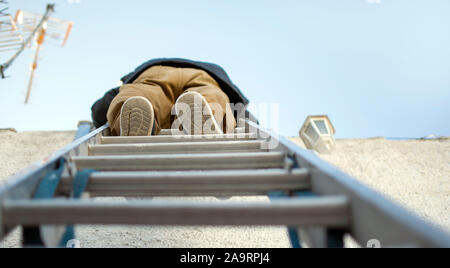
[(162, 85)]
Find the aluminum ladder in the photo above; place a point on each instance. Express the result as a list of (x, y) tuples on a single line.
[(318, 203)]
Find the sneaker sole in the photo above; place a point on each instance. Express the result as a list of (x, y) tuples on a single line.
[(136, 117), (199, 108)]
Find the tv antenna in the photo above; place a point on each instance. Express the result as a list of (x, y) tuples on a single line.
[(31, 30)]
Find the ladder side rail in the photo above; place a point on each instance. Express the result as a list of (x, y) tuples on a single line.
[(23, 184), (373, 216)]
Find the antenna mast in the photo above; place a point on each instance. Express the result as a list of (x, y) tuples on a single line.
[(36, 27), (39, 26)]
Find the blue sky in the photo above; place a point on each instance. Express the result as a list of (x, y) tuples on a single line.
[(376, 69)]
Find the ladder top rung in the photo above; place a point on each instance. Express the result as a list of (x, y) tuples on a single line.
[(168, 132), (181, 138)]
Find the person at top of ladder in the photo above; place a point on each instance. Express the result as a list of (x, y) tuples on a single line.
[(162, 90)]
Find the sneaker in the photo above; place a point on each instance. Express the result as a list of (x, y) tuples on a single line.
[(136, 117), (196, 115)]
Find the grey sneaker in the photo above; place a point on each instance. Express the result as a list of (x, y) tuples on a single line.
[(196, 115), (136, 117)]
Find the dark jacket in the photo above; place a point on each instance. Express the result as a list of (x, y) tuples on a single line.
[(100, 107)]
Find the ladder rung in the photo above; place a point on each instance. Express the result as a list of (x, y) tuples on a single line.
[(180, 138), (168, 132), (165, 132), (198, 183), (325, 211), (176, 148), (181, 161)]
